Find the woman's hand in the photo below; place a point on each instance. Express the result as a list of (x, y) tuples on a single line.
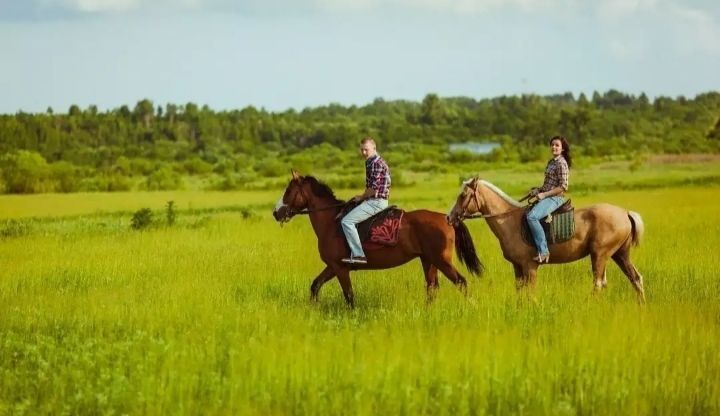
[(541, 196)]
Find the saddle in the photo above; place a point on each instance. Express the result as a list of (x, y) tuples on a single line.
[(559, 226), (380, 230)]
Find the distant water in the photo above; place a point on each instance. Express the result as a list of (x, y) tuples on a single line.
[(474, 147)]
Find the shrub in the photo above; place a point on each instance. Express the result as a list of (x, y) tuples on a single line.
[(142, 219), (170, 213), (13, 228), (163, 179), (24, 172)]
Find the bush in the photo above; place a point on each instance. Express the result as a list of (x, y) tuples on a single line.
[(272, 168), (142, 219), (163, 179), (106, 183), (24, 172), (197, 166), (65, 176), (13, 228), (170, 213)]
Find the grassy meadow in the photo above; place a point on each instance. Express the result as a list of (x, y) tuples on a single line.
[(211, 315)]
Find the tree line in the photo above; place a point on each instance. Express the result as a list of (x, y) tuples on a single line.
[(170, 146)]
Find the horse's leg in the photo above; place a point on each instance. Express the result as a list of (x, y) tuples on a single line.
[(599, 265), (622, 259), (431, 280), (520, 280), (343, 275), (525, 284), (452, 274), (322, 278)]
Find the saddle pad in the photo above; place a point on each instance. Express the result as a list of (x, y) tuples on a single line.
[(380, 230), (559, 230)]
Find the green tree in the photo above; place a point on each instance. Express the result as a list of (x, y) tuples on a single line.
[(144, 112), (23, 172), (432, 110)]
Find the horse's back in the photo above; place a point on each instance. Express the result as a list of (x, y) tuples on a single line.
[(426, 224), (603, 211), (426, 217), (604, 219)]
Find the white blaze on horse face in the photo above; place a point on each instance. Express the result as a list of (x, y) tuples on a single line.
[(279, 204)]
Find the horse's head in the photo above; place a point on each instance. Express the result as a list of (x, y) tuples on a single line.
[(293, 200), (467, 203)]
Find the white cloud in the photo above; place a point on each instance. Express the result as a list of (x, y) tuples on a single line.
[(637, 27), (95, 6), (614, 9), (113, 6), (696, 30), (443, 6), (463, 7), (627, 49)]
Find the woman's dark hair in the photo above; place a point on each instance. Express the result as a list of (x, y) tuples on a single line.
[(566, 149)]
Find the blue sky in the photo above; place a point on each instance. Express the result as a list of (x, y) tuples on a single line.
[(279, 54)]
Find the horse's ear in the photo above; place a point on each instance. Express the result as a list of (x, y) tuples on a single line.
[(295, 174)]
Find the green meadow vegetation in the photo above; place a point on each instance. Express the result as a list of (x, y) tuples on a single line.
[(155, 147), (209, 313)]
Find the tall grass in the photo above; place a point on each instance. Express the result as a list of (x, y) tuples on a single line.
[(213, 317)]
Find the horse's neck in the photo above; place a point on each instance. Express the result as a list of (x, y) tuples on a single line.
[(503, 226), (322, 219)]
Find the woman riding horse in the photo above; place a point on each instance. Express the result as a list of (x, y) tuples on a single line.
[(602, 231)]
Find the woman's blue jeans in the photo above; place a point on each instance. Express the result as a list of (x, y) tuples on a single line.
[(541, 210)]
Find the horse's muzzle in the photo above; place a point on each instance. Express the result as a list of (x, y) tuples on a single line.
[(453, 219), (282, 214)]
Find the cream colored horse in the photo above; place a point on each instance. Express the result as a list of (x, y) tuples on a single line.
[(602, 231)]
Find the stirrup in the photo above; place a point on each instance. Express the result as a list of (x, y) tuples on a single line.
[(355, 260), (542, 258)]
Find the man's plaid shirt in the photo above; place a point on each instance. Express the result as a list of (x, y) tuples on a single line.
[(557, 173), (377, 176)]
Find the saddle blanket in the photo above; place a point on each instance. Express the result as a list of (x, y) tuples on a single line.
[(380, 230)]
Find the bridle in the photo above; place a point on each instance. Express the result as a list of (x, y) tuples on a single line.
[(292, 212), (466, 204)]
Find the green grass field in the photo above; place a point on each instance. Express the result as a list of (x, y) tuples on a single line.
[(212, 316)]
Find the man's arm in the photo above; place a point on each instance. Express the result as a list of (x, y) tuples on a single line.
[(369, 193)]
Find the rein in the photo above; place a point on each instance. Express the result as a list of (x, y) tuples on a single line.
[(476, 216), (463, 216), (308, 211)]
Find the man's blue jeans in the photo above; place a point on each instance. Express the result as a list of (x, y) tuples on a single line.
[(541, 210), (360, 213)]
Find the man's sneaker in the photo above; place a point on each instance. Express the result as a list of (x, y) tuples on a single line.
[(355, 260)]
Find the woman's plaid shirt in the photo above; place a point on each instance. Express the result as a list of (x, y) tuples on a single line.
[(557, 173), (377, 176)]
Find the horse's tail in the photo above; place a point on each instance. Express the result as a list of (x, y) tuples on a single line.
[(638, 227), (465, 249)]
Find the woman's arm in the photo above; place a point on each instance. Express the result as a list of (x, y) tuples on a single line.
[(562, 173), (554, 191)]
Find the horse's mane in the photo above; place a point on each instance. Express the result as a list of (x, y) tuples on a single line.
[(501, 193), (321, 189)]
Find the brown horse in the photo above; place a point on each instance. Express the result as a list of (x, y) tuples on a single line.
[(423, 234), (602, 231)]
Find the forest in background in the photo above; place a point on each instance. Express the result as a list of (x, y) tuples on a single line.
[(156, 147)]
